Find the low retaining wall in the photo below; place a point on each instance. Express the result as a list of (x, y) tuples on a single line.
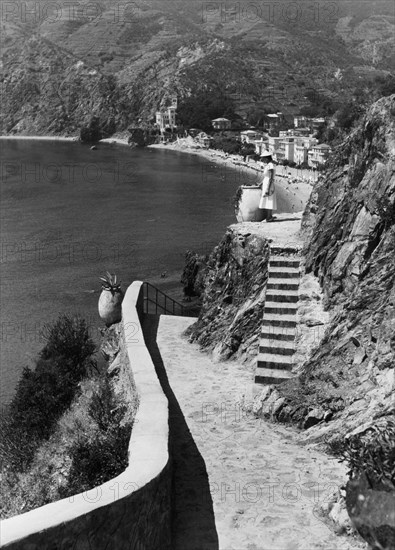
[(132, 511)]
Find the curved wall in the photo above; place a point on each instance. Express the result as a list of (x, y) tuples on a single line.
[(132, 511)]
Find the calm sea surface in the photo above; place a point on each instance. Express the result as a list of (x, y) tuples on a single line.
[(68, 214)]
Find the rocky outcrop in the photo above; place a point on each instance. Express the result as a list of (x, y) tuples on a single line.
[(234, 283), (372, 512), (349, 226)]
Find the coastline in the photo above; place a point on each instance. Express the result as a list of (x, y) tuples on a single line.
[(111, 140), (43, 138), (291, 186)]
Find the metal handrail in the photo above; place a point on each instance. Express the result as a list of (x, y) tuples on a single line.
[(167, 310)]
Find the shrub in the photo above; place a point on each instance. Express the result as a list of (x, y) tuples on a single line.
[(237, 197), (191, 278), (372, 453), (68, 337), (104, 407), (97, 460), (44, 394), (386, 210)]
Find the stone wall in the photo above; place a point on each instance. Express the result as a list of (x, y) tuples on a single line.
[(132, 511)]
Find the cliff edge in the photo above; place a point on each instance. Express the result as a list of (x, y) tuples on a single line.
[(349, 228)]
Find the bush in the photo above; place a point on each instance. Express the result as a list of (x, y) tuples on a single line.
[(44, 394), (191, 278), (68, 337), (372, 453), (95, 461)]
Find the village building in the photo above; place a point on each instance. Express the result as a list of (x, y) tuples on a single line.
[(272, 121), (285, 149), (300, 153), (261, 145), (203, 140), (249, 136), (165, 119), (273, 144), (318, 155), (301, 121), (316, 124), (221, 123)]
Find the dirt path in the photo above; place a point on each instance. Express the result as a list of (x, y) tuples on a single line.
[(265, 487)]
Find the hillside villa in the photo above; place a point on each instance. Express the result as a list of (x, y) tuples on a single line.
[(221, 123), (250, 136), (166, 118), (318, 155), (203, 140)]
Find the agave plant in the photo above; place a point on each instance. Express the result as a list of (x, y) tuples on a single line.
[(109, 282), (110, 300)]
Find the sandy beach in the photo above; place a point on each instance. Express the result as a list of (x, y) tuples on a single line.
[(295, 184), (297, 187)]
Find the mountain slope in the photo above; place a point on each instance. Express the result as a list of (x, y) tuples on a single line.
[(123, 60)]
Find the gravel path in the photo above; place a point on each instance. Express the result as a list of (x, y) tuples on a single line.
[(240, 483)]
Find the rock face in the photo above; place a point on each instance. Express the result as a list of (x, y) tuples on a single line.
[(372, 513), (234, 283), (349, 225)]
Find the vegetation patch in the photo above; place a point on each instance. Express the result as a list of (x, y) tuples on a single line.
[(68, 426), (371, 453)]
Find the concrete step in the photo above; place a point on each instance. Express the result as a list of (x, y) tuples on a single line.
[(292, 251), (281, 334), (282, 308), (283, 361), (291, 296), (282, 284), (278, 261), (275, 343), (275, 273), (279, 320), (278, 351), (278, 347), (285, 269), (271, 376)]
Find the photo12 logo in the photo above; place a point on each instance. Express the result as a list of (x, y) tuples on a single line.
[(272, 12), (76, 12), (66, 173)]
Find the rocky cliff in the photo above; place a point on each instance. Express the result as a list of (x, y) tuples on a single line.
[(346, 379), (349, 226), (234, 283)]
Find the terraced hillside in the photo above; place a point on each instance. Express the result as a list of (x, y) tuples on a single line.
[(63, 63)]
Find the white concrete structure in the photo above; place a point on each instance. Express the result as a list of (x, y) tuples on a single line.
[(221, 123), (318, 155), (166, 119), (249, 136)]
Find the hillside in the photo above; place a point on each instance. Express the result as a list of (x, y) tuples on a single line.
[(62, 65), (346, 371), (350, 230)]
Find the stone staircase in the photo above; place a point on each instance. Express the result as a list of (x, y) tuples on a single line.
[(276, 344)]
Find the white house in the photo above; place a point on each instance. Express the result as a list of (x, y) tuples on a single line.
[(221, 123), (166, 118), (318, 155), (300, 153), (249, 136), (203, 139), (285, 149)]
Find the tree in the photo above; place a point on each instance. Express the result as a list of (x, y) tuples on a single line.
[(199, 109)]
